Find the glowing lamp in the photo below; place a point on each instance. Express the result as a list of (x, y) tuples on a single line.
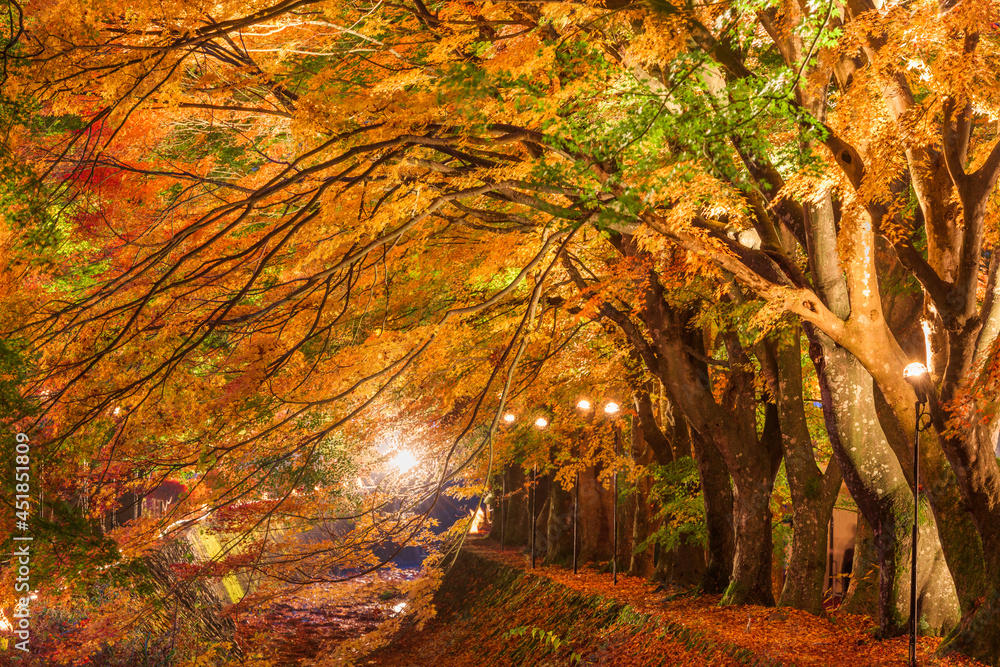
[(404, 461), (584, 404), (509, 418), (541, 422), (611, 408), (918, 377)]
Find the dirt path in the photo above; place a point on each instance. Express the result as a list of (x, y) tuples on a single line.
[(746, 635)]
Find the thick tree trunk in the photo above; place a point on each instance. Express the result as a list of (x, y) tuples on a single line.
[(559, 525), (753, 462), (871, 469), (978, 635), (813, 492), (751, 579), (804, 577), (879, 486), (595, 534), (717, 491), (542, 531), (667, 440), (684, 567), (626, 525), (543, 486), (732, 432), (862, 593), (641, 562)]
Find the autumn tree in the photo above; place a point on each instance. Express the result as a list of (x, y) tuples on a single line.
[(290, 210)]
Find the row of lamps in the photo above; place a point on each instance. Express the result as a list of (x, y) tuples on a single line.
[(611, 409), (916, 374)]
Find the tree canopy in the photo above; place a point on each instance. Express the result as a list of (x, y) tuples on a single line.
[(259, 248)]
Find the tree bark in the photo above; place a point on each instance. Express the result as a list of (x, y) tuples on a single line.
[(879, 487), (717, 491), (559, 525), (595, 533), (862, 592), (644, 428), (813, 492)]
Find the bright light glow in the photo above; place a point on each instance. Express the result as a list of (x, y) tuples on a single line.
[(584, 404), (477, 522), (611, 408), (404, 460), (509, 418), (914, 370), (399, 607), (541, 422)]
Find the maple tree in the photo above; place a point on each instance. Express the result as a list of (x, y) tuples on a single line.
[(275, 236)]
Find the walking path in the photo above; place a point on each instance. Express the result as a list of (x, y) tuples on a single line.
[(679, 631)]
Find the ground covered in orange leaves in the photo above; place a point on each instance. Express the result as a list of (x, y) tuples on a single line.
[(493, 611), (300, 625)]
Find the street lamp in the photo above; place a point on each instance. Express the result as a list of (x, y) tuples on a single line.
[(503, 514), (508, 419), (404, 461), (611, 409), (540, 424), (582, 406), (918, 377)]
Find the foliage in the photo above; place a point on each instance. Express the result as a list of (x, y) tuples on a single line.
[(680, 507), (268, 247), (545, 637)]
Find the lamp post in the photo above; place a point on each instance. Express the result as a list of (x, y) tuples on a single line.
[(508, 419), (540, 424), (503, 498), (611, 409), (918, 377), (583, 406)]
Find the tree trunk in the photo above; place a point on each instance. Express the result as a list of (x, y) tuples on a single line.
[(641, 562), (559, 525), (541, 518), (751, 579), (732, 432), (717, 491), (813, 492), (978, 635), (666, 442), (515, 519), (595, 534), (542, 530), (862, 593), (803, 587), (878, 485)]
